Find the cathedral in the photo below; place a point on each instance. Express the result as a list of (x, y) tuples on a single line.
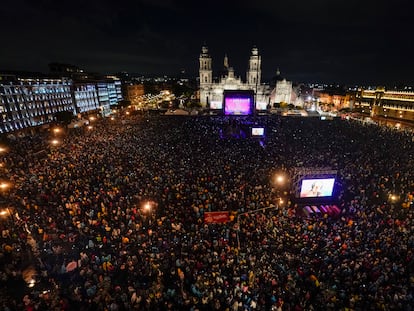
[(211, 92)]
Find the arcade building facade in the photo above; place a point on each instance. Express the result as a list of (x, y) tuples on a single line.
[(391, 104)]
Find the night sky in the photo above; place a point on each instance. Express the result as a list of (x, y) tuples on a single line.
[(328, 41)]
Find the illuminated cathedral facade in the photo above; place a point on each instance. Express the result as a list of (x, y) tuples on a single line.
[(211, 92)]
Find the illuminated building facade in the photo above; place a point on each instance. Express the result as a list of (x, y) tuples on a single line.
[(31, 102), (86, 97), (282, 92), (28, 102), (397, 105), (334, 100), (211, 92)]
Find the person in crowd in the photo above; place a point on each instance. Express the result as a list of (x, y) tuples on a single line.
[(112, 218)]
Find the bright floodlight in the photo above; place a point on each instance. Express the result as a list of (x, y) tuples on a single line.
[(55, 142), (4, 185), (393, 197), (147, 206), (280, 179), (3, 212), (56, 130)]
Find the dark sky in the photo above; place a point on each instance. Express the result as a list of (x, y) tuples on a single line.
[(342, 41)]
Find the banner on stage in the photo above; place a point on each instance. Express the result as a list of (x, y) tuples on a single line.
[(216, 217)]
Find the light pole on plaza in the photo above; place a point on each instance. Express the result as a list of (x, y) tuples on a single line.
[(148, 209), (4, 186), (7, 212), (279, 182), (54, 142)]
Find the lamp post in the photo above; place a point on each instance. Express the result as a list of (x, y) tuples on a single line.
[(148, 209), (7, 212), (3, 188)]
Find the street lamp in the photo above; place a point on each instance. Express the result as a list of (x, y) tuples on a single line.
[(3, 149), (7, 212), (280, 179), (147, 207), (4, 185), (279, 182), (56, 130), (3, 188)]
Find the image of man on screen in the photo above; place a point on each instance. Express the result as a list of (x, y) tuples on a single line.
[(314, 191), (312, 188), (257, 131)]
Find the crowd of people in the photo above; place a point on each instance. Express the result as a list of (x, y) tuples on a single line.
[(112, 218)]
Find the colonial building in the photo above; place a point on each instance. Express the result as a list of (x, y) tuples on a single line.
[(211, 92), (32, 101), (86, 97), (282, 92), (397, 105)]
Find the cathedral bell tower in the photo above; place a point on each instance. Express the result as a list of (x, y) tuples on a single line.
[(254, 71), (206, 77), (206, 72)]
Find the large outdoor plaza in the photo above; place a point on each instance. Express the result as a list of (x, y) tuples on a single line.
[(153, 212)]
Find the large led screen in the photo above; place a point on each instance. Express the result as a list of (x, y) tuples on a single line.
[(258, 132), (216, 105), (314, 188), (261, 106), (238, 103)]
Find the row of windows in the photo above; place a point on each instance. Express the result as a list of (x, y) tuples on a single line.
[(34, 90), (12, 115), (10, 127), (85, 88), (85, 95), (88, 104), (402, 97), (10, 98)]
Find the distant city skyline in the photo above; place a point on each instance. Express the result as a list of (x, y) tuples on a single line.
[(317, 41)]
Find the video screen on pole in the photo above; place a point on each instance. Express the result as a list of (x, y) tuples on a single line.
[(314, 188), (261, 106), (238, 103), (258, 132), (217, 105)]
